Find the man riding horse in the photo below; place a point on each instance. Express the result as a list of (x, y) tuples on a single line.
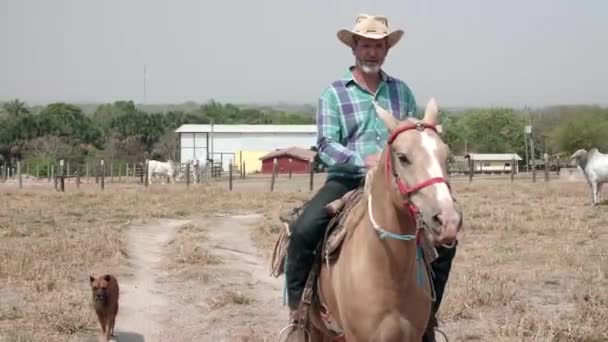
[(350, 139)]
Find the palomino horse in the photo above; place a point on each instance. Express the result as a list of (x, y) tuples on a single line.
[(372, 291)]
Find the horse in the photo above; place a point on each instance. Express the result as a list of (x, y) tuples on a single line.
[(594, 166), (372, 289)]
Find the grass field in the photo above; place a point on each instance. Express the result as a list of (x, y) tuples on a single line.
[(532, 264)]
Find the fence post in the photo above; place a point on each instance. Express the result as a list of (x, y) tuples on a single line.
[(48, 171), (144, 175), (513, 165), (274, 174), (471, 169), (53, 170), (19, 174), (103, 174), (230, 176), (290, 166), (61, 175), (312, 175), (68, 173), (546, 168), (244, 171), (77, 179), (188, 174)]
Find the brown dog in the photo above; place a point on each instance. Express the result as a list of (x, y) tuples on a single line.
[(105, 301)]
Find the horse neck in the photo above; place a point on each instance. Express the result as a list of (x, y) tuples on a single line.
[(392, 217)]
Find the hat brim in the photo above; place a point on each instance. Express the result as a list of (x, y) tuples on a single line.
[(347, 37)]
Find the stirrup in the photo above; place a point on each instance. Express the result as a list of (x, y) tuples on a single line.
[(294, 325), (445, 337)]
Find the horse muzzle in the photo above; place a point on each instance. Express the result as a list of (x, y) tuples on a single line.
[(450, 222)]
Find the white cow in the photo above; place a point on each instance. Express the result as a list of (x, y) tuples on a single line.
[(594, 165), (163, 169)]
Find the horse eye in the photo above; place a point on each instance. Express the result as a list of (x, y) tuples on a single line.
[(402, 158)]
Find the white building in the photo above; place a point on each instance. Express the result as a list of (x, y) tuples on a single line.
[(224, 143)]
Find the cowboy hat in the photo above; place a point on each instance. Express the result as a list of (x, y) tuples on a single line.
[(370, 26)]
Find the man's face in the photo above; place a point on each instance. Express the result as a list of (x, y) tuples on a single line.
[(370, 54)]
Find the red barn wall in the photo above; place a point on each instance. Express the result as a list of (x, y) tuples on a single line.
[(283, 165)]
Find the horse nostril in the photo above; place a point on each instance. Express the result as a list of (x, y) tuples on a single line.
[(437, 219)]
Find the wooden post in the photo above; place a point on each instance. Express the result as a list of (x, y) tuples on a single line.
[(19, 174), (68, 173), (513, 165), (86, 166), (471, 169), (546, 168), (274, 174), (244, 171), (144, 174), (103, 174), (55, 182), (62, 175), (119, 174), (37, 171), (77, 179), (188, 174), (290, 165), (230, 176), (126, 172), (312, 175), (112, 172)]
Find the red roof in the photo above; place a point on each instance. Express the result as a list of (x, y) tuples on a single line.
[(291, 152)]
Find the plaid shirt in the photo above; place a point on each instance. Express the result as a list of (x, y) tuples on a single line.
[(348, 126)]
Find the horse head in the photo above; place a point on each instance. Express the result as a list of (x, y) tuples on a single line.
[(415, 164)]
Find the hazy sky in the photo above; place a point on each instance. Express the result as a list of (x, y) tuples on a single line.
[(465, 53)]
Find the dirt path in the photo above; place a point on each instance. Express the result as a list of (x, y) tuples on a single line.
[(233, 299), (143, 300)]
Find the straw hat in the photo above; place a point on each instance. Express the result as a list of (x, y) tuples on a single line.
[(370, 26)]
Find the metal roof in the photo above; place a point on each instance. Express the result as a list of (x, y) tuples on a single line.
[(190, 128), (294, 151), (493, 156)]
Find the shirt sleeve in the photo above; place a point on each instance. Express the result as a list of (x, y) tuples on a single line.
[(329, 134), (409, 101)]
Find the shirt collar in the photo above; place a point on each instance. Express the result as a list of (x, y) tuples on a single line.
[(348, 76)]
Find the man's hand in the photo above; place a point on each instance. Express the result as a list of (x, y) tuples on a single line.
[(371, 160)]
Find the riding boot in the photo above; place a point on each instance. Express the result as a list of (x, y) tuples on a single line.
[(441, 270)]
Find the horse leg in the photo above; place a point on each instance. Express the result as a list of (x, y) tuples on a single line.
[(594, 193), (599, 192)]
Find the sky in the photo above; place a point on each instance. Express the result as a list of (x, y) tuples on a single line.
[(464, 53)]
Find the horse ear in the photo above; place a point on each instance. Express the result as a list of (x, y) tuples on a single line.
[(431, 113), (388, 118)]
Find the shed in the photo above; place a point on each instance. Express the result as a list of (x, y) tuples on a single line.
[(494, 162), (294, 158)]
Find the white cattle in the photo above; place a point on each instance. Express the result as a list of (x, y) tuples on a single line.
[(594, 165), (163, 169)]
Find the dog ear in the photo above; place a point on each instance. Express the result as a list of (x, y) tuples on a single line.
[(107, 277), (91, 279)]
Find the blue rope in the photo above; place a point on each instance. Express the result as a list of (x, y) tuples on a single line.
[(386, 234), (420, 265)]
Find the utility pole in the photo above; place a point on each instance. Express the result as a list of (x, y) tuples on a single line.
[(144, 84), (532, 147)]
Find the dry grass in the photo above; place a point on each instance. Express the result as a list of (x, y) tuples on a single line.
[(533, 263), (50, 242)]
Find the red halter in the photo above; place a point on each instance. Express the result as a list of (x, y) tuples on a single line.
[(404, 189)]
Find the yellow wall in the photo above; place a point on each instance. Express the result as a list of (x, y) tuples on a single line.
[(251, 159)]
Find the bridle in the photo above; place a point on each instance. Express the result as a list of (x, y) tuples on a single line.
[(405, 190)]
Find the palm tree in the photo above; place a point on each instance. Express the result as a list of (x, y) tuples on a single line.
[(15, 108)]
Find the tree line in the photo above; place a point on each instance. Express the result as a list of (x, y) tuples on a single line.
[(122, 132)]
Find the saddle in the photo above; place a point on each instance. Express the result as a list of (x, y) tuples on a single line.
[(334, 234)]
